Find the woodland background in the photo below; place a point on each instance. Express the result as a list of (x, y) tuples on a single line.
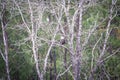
[(59, 39)]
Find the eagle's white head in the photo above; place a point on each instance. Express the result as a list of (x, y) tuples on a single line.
[(62, 37)]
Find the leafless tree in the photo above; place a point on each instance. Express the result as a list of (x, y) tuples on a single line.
[(5, 38), (100, 59), (67, 25), (32, 28)]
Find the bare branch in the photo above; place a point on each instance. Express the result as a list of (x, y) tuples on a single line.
[(51, 45), (2, 55), (64, 71), (115, 52), (93, 51), (26, 25)]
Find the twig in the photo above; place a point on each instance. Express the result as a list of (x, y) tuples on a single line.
[(64, 71), (2, 55)]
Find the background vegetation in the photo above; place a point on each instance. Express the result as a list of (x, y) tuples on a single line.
[(60, 40)]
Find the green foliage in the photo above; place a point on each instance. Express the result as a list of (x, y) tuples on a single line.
[(22, 64), (113, 66), (114, 42), (2, 67)]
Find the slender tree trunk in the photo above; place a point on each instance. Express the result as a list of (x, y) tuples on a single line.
[(54, 57), (16, 77), (76, 58), (36, 64), (34, 49), (53, 70), (51, 57), (65, 63), (5, 39), (34, 43), (35, 52)]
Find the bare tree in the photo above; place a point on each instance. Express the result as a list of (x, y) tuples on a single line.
[(32, 28), (66, 25), (5, 38), (76, 58), (99, 61)]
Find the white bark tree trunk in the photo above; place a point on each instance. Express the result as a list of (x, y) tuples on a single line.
[(5, 40)]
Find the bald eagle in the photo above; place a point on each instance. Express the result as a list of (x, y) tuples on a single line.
[(62, 40)]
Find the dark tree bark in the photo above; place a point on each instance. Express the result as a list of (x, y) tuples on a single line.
[(51, 59), (53, 70), (16, 75), (54, 57), (65, 63)]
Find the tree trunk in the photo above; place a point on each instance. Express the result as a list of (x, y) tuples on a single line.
[(5, 39), (53, 69), (54, 57), (34, 49), (76, 58), (65, 63), (35, 52), (51, 57)]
